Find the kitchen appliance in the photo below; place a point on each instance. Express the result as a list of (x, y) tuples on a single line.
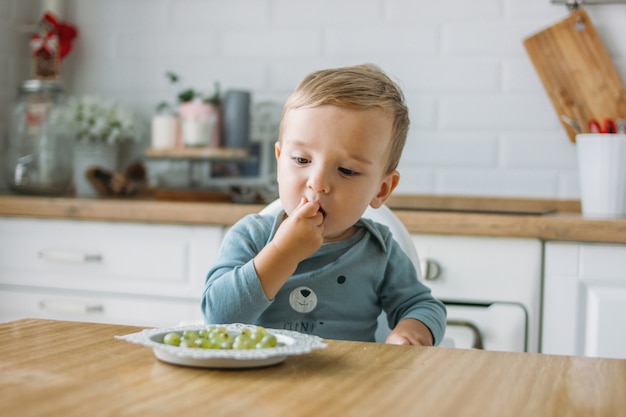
[(491, 287)]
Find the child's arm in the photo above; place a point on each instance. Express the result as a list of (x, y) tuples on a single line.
[(410, 332), (299, 236)]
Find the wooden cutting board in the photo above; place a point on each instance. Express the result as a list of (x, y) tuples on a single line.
[(577, 72)]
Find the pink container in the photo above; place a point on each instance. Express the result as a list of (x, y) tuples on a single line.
[(200, 124)]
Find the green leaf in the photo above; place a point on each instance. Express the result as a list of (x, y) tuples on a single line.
[(172, 76), (216, 98), (162, 106), (186, 95)]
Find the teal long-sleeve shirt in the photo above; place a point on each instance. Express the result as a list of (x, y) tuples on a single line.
[(336, 293)]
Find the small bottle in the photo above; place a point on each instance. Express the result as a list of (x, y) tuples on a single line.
[(40, 151)]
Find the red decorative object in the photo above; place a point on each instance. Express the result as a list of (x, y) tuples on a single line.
[(51, 43), (48, 44)]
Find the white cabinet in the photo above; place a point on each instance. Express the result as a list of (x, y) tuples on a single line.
[(153, 275), (584, 299), (93, 306), (492, 287), (129, 273)]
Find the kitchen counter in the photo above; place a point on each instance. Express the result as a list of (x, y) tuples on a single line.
[(502, 217), (60, 368)]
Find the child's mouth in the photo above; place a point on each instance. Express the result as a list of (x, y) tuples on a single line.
[(321, 210)]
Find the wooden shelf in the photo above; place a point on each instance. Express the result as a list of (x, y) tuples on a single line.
[(198, 153)]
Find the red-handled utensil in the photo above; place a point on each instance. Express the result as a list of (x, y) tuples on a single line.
[(608, 127)]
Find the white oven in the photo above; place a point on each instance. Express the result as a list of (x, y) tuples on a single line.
[(491, 287)]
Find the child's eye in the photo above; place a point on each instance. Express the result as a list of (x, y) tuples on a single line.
[(348, 172), (300, 161)]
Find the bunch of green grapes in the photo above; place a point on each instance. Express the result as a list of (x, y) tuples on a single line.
[(218, 337)]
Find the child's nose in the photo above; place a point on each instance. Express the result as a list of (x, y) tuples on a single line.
[(319, 182)]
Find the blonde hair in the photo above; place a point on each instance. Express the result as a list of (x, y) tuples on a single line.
[(358, 87)]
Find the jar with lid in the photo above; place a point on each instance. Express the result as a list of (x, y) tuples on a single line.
[(39, 153)]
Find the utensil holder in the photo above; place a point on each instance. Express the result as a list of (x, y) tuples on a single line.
[(602, 172)]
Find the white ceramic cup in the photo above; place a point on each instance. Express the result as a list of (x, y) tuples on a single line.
[(602, 172), (164, 131)]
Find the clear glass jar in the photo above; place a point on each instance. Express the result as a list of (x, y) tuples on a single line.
[(40, 151)]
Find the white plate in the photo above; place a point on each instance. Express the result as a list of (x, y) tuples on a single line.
[(293, 343)]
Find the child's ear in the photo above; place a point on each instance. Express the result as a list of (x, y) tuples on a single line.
[(390, 182), (277, 150), (277, 153)]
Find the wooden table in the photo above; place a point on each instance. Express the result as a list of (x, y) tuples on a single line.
[(57, 368)]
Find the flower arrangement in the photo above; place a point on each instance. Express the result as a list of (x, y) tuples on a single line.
[(93, 119)]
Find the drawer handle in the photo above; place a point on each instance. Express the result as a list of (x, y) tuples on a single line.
[(478, 337), (431, 270), (69, 256), (70, 307)]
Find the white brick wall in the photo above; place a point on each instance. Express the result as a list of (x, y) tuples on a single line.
[(13, 59), (481, 121)]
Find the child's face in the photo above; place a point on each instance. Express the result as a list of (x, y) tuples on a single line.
[(336, 157)]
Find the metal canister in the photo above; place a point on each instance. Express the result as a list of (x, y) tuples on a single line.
[(39, 152)]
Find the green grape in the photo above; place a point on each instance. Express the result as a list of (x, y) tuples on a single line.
[(268, 341), (243, 341), (220, 330), (190, 334), (204, 343), (218, 337), (258, 334), (172, 338), (187, 343)]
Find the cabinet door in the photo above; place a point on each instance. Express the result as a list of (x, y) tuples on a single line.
[(19, 303), (127, 273), (495, 283), (584, 299), (143, 259), (605, 332)]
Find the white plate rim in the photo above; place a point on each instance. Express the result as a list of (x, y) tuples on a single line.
[(295, 343)]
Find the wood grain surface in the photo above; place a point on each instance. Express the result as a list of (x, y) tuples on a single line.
[(56, 368), (420, 214), (577, 72), (199, 153)]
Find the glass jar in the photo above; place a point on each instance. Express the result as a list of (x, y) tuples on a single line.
[(39, 154)]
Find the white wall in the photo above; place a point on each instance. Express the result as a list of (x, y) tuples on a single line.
[(13, 58), (481, 122)]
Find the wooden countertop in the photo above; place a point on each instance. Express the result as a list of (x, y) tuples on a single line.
[(541, 219), (59, 368)]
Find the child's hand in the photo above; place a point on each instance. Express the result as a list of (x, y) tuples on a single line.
[(410, 332), (301, 234)]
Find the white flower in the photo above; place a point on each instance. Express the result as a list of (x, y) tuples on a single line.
[(94, 119)]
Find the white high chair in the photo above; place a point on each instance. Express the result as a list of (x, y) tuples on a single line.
[(385, 216)]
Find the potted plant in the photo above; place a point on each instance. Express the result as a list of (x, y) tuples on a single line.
[(196, 114), (100, 126)]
